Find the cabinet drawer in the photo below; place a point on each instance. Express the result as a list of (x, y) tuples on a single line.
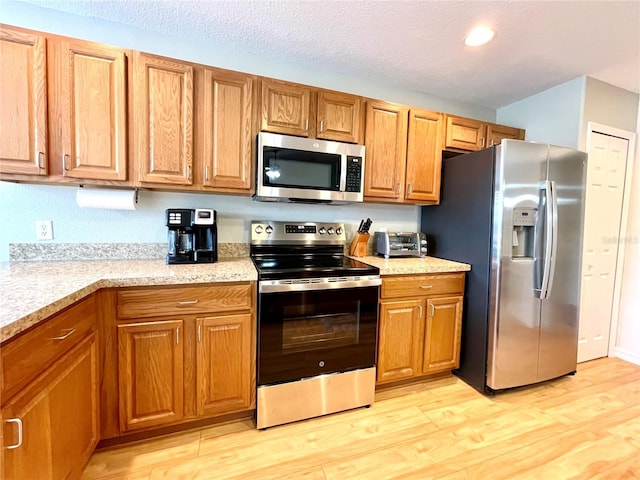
[(420, 285), (29, 355), (157, 301)]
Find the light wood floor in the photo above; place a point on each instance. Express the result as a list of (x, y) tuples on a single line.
[(579, 427)]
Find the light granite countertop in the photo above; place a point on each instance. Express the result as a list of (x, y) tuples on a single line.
[(33, 291), (414, 265)]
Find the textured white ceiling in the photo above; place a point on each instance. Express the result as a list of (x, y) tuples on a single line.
[(417, 45)]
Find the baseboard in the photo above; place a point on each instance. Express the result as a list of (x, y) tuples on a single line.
[(627, 356)]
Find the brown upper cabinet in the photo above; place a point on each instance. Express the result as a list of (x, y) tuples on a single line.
[(403, 154), (226, 142), (23, 96), (87, 110), (163, 120), (468, 134), (63, 107), (293, 109)]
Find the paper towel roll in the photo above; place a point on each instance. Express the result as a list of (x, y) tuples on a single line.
[(107, 198)]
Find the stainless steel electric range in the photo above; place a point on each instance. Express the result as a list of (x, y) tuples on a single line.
[(317, 322)]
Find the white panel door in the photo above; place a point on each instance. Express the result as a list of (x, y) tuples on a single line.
[(606, 170)]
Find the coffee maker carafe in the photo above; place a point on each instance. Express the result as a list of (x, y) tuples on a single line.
[(192, 236)]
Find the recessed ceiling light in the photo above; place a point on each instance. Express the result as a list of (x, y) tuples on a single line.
[(479, 36)]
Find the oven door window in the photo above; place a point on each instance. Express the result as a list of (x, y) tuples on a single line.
[(303, 334), (285, 167)]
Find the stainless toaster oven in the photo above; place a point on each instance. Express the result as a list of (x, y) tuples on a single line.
[(400, 244)]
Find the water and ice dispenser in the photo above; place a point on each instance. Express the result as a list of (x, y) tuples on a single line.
[(524, 222)]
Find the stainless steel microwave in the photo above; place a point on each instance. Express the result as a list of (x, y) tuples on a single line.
[(296, 169)]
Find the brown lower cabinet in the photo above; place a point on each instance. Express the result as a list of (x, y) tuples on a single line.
[(50, 427), (181, 354), (419, 325)]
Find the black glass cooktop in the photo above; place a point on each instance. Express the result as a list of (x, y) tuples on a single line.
[(310, 266)]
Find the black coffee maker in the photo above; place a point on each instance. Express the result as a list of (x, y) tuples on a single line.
[(193, 235)]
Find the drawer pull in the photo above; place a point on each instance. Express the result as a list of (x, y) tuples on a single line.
[(70, 332), (188, 302), (17, 421), (426, 286), (433, 310)]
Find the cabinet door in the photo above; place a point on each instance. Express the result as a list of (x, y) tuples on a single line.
[(442, 335), (464, 133), (88, 110), (228, 135), (32, 457), (59, 414), (150, 371), (339, 117), (285, 108), (495, 134), (225, 365), (424, 156), (385, 141), (163, 119), (23, 101), (400, 339)]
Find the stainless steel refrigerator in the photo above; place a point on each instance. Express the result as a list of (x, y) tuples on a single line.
[(515, 213)]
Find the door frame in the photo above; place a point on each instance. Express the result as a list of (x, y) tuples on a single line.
[(593, 127)]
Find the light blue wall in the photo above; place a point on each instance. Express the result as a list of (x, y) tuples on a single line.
[(553, 116), (21, 205), (608, 105)]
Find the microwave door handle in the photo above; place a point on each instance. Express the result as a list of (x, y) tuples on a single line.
[(343, 172)]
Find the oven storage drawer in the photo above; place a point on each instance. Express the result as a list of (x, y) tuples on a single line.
[(419, 285), (157, 301)]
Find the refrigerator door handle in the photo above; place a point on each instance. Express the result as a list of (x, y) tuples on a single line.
[(548, 238), (553, 250)]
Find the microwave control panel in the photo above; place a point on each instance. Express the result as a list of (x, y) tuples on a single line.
[(354, 174)]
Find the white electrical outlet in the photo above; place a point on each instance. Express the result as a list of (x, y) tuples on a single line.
[(44, 230)]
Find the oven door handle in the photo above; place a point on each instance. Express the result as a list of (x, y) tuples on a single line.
[(269, 287)]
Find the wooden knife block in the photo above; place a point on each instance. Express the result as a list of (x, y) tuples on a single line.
[(359, 245)]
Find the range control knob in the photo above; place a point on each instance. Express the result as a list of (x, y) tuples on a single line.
[(322, 231), (423, 242), (258, 229), (339, 231), (330, 230), (423, 249), (269, 229)]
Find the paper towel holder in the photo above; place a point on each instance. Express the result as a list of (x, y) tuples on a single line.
[(107, 198)]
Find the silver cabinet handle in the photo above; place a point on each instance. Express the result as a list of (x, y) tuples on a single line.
[(491, 145), (321, 125), (199, 332), (420, 311), (65, 161), (177, 335), (206, 173), (17, 421), (70, 332), (397, 188), (410, 187), (306, 125), (426, 287), (188, 302), (433, 310), (483, 140), (41, 159), (189, 171)]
